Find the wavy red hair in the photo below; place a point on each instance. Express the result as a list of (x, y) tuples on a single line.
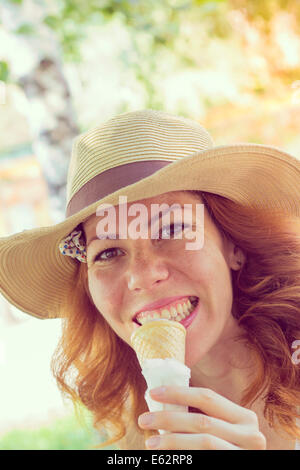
[(93, 366)]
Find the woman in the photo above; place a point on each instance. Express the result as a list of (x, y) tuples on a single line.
[(242, 276)]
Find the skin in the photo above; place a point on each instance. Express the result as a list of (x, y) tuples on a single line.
[(145, 270)]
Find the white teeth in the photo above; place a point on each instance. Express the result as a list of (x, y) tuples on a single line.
[(173, 312), (180, 309), (185, 308), (177, 314), (165, 313)]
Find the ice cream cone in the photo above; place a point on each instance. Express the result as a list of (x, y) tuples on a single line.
[(159, 339), (160, 348)]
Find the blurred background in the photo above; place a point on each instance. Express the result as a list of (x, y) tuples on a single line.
[(68, 65)]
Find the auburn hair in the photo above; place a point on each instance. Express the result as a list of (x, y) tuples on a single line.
[(96, 368)]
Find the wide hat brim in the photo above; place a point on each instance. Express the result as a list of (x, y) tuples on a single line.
[(34, 275)]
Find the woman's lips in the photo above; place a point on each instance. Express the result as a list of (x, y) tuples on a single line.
[(175, 311)]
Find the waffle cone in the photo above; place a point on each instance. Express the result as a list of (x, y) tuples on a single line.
[(159, 339)]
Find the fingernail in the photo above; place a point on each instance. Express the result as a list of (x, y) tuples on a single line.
[(146, 419), (159, 391), (153, 442)]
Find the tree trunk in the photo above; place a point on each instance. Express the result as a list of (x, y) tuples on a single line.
[(50, 114)]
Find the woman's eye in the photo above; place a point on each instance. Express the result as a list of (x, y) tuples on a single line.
[(106, 255), (167, 232)]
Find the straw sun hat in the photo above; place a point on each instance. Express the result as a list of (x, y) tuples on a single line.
[(139, 155)]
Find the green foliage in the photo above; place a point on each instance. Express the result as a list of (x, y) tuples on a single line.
[(215, 12), (160, 19), (4, 71), (63, 434), (52, 21), (16, 2), (162, 31), (25, 28)]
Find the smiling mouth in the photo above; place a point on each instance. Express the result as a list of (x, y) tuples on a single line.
[(176, 311)]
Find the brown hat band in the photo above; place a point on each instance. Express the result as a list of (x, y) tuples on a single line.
[(112, 180)]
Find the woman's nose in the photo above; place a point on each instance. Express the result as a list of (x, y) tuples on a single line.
[(146, 270)]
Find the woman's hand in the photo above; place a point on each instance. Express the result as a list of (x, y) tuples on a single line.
[(224, 426)]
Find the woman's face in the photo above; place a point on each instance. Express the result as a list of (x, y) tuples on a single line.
[(125, 275)]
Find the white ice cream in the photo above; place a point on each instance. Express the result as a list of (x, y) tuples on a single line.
[(159, 372)]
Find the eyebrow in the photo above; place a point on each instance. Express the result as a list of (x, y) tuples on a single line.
[(116, 236)]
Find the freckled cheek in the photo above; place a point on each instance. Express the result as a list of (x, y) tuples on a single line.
[(199, 267), (218, 282), (212, 274), (105, 292)]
